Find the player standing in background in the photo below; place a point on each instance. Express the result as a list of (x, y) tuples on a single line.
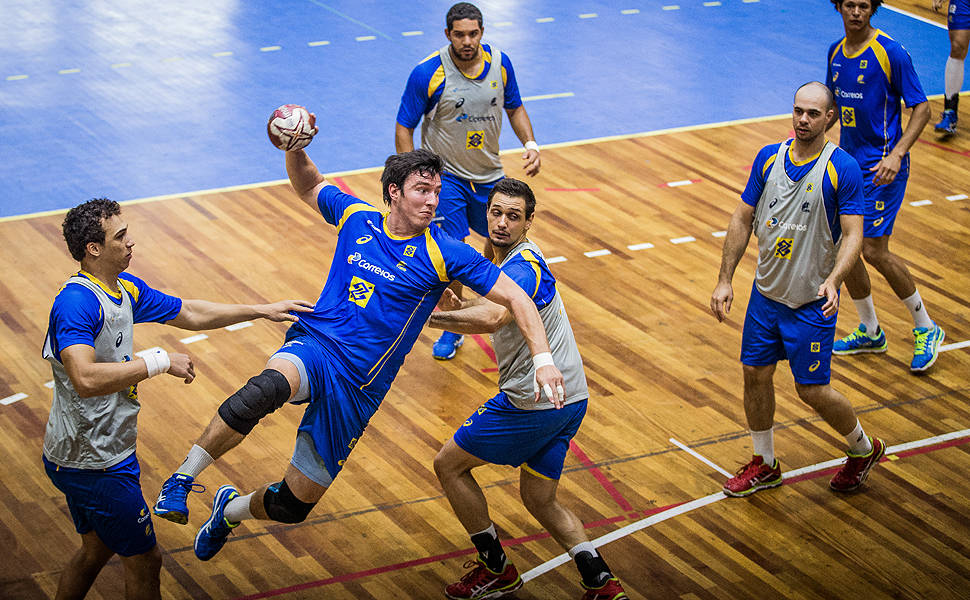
[(89, 444), (511, 428), (870, 74), (958, 25), (804, 202), (460, 91)]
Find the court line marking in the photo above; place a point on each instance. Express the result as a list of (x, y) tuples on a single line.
[(548, 96), (194, 338), (555, 259), (630, 11), (351, 19), (921, 203), (718, 496), (602, 479), (318, 43), (956, 197), (683, 240), (365, 38), (237, 326), (595, 253), (411, 33), (545, 19), (643, 246), (270, 48), (699, 457), (719, 234), (954, 346), (14, 398), (914, 16)]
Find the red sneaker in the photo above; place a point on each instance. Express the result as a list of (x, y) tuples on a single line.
[(481, 583), (856, 469), (611, 590), (754, 476)]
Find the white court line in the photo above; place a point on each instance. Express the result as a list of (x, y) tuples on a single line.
[(555, 259), (548, 96), (588, 16), (365, 38), (12, 399), (595, 253), (717, 496), (643, 246), (545, 20), (194, 338), (954, 346), (319, 43), (672, 7), (920, 202), (719, 234), (236, 326), (699, 457), (630, 11), (679, 183), (49, 385), (411, 33), (956, 197), (270, 48), (683, 240), (912, 16), (221, 54), (68, 71)]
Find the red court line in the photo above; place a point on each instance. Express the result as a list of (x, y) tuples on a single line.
[(946, 148), (483, 343), (600, 477), (340, 183)]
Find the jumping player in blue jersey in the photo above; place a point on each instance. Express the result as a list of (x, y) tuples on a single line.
[(803, 201), (460, 91), (89, 443), (388, 272), (958, 25), (870, 75), (511, 428)]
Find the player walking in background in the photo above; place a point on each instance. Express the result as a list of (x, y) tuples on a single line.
[(388, 272), (511, 428), (958, 25), (870, 74), (89, 444), (804, 202), (460, 91)]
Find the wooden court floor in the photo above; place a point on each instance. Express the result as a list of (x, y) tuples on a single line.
[(660, 369)]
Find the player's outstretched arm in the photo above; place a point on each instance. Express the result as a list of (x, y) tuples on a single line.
[(202, 314), (481, 316), (91, 378), (306, 179), (848, 255), (736, 240)]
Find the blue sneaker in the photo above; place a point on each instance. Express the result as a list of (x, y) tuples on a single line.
[(859, 341), (948, 122), (928, 340), (212, 536), (171, 504), (447, 345)]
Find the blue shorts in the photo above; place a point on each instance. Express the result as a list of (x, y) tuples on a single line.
[(882, 202), (461, 205), (538, 440), (958, 16), (336, 414), (773, 332), (109, 502)]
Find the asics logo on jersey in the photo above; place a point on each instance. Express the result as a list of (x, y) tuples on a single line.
[(120, 337), (372, 226), (775, 222), (773, 203), (364, 239), (461, 101), (363, 264), (814, 366), (877, 222)]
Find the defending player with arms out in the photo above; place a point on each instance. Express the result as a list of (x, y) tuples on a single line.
[(870, 74), (804, 202), (89, 443), (512, 428), (958, 25), (461, 91), (388, 272)]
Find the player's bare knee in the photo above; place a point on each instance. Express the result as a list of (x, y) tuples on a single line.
[(812, 394), (282, 506), (262, 395), (144, 565), (758, 375)]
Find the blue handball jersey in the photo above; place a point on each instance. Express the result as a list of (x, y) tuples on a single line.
[(427, 80), (382, 288), (76, 317), (532, 274), (868, 87), (841, 187)]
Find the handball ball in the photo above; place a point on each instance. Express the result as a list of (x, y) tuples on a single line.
[(291, 127)]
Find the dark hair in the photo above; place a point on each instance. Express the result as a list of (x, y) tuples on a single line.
[(463, 10), (513, 188), (829, 97), (84, 224), (398, 167), (875, 4)]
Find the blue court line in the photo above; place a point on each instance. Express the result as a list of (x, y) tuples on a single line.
[(351, 19)]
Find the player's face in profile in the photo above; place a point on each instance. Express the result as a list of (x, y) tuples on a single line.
[(507, 224), (465, 36), (417, 201), (116, 251), (855, 14), (810, 114)]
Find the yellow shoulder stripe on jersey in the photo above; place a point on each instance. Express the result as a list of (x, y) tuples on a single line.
[(836, 50), (434, 253), (430, 56), (114, 293), (437, 80), (505, 77), (532, 260), (131, 287), (833, 175), (882, 56), (804, 162), (353, 208), (768, 163)]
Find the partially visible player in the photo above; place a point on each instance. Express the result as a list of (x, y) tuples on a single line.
[(803, 201), (460, 92), (511, 428), (958, 25), (387, 274), (89, 444), (870, 74)]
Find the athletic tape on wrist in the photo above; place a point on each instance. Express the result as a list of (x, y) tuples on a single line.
[(157, 362), (532, 145), (543, 359)]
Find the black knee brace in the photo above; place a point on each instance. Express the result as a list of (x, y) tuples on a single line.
[(281, 505), (260, 396)]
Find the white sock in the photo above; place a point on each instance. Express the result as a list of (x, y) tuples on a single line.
[(953, 76), (859, 442), (764, 444), (582, 547), (197, 460), (490, 531), (867, 314), (915, 305), (237, 509)]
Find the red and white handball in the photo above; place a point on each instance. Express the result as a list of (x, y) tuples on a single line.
[(291, 127)]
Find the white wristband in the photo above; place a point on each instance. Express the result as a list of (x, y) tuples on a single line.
[(543, 359), (157, 362), (532, 145)]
